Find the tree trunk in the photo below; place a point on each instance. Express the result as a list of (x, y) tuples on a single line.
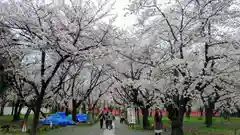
[(93, 114), (2, 109), (209, 114), (125, 115), (84, 108), (201, 113), (15, 115), (19, 110), (38, 106), (55, 108), (74, 110), (66, 111), (13, 106), (177, 122), (138, 116), (177, 127), (27, 114), (145, 113), (208, 118), (188, 112), (238, 112), (176, 115), (43, 114)]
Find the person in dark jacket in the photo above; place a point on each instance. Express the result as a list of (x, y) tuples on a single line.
[(122, 118), (158, 122), (106, 119), (111, 118), (101, 118)]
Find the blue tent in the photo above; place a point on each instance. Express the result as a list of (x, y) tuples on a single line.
[(57, 119), (80, 117)]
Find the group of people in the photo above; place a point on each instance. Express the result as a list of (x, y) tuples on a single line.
[(108, 117)]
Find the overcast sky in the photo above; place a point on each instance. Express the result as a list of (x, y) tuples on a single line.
[(121, 20)]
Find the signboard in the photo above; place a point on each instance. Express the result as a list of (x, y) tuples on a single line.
[(131, 116)]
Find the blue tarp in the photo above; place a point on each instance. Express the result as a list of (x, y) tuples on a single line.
[(80, 117), (57, 119), (60, 118)]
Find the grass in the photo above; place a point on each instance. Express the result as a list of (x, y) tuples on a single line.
[(7, 120), (220, 126)]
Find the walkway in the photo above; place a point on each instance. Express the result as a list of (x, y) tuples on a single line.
[(121, 129)]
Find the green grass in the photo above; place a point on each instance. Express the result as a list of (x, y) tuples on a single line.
[(220, 126), (7, 119)]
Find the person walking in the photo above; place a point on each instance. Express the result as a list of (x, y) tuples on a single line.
[(106, 119), (158, 122), (122, 118), (113, 121), (110, 119), (101, 118)]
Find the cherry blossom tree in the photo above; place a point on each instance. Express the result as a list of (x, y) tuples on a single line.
[(97, 95), (5, 98), (54, 35), (188, 29), (133, 76)]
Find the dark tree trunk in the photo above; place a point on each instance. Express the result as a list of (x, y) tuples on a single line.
[(27, 114), (177, 121), (125, 115), (19, 110), (238, 112), (93, 113), (37, 111), (84, 108), (15, 114), (74, 110), (43, 114), (54, 109), (66, 111), (94, 107), (188, 113), (13, 106), (138, 116), (201, 113), (176, 115), (209, 113), (145, 113), (2, 109)]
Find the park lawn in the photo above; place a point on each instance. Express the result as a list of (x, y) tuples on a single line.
[(7, 119), (220, 126)]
